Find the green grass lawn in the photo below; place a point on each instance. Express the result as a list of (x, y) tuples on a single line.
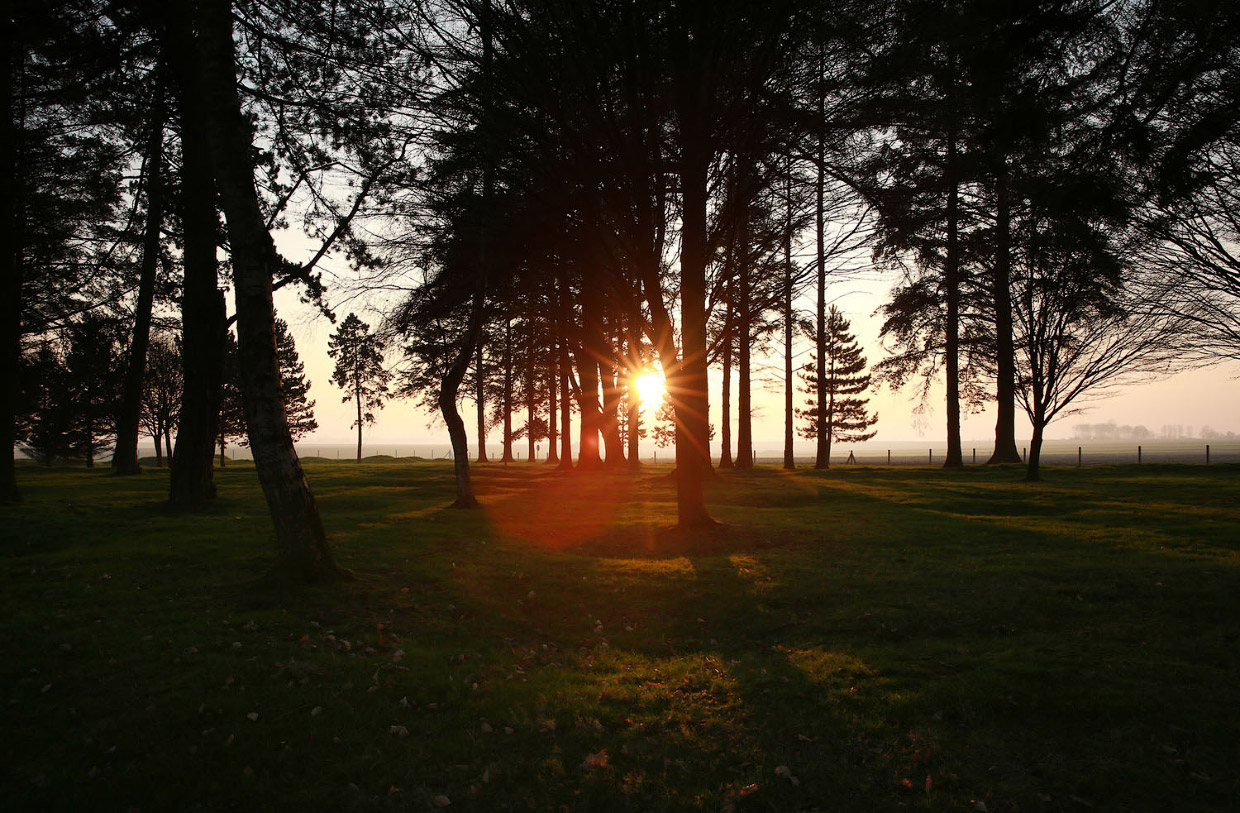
[(859, 639)]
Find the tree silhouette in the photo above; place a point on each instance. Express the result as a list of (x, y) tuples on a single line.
[(845, 416), (359, 370)]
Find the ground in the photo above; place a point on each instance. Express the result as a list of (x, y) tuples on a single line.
[(859, 639)]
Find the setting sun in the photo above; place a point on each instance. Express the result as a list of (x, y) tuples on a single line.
[(650, 389)]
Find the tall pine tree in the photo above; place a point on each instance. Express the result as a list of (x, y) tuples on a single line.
[(847, 417)]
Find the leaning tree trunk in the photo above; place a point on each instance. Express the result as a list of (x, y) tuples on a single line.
[(1034, 472), (303, 554), (449, 386), (125, 458), (1005, 352), (203, 325), (10, 245)]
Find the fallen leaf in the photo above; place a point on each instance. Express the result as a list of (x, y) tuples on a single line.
[(252, 717), (441, 801), (783, 770), (598, 760), (398, 730)]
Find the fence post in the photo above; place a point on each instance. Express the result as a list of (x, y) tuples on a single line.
[(1138, 455), (1078, 457), (888, 457), (1024, 454), (1207, 454), (932, 457), (975, 455)]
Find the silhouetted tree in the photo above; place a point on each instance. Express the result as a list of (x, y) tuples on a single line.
[(161, 393), (359, 370), (845, 416)]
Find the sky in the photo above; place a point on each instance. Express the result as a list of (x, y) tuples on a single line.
[(1192, 399)]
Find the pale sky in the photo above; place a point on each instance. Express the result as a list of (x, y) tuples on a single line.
[(1203, 397)]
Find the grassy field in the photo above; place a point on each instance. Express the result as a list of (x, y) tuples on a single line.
[(860, 639)]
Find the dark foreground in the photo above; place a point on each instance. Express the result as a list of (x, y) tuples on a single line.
[(863, 639)]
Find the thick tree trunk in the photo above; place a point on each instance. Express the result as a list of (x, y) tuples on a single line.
[(688, 390), (632, 344), (203, 326), (303, 554), (448, 389), (587, 375), (480, 399), (1005, 352), (1034, 472), (566, 404), (11, 235), (507, 402), (951, 281), (530, 403), (125, 458)]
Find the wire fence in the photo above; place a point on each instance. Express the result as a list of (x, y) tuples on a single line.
[(1055, 454)]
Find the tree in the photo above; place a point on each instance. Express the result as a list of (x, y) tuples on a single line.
[(92, 367), (359, 370), (161, 393), (298, 407), (845, 416)]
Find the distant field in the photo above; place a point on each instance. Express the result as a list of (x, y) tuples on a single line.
[(866, 638)]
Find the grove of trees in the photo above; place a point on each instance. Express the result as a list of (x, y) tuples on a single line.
[(547, 199)]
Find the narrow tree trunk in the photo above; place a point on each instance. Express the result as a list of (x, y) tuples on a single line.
[(507, 402), (744, 389), (566, 404), (90, 439), (688, 391), (1005, 351), (223, 450), (951, 281), (789, 327), (530, 400), (553, 414), (303, 554), (159, 453), (190, 482), (125, 458), (587, 375), (357, 398), (480, 399), (11, 234), (822, 451), (608, 353), (725, 394)]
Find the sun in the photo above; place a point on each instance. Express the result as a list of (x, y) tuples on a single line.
[(650, 388)]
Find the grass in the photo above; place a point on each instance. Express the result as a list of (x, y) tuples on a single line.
[(859, 639)]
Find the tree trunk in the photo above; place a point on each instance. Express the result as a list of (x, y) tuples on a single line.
[(11, 235), (608, 353), (1005, 351), (125, 459), (688, 390), (587, 375), (480, 399), (553, 385), (190, 482), (223, 449), (90, 440), (1034, 472), (303, 554), (822, 451), (507, 403), (357, 397), (951, 281), (789, 319), (159, 452), (725, 394), (447, 402), (530, 401), (744, 316), (566, 405)]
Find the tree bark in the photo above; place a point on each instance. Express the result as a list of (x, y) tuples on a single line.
[(608, 352), (125, 458), (725, 394), (11, 246), (303, 554), (688, 390), (553, 414), (822, 450), (448, 389), (951, 281), (203, 327), (587, 375), (789, 319), (566, 404), (480, 399), (530, 400), (744, 316), (507, 402), (1034, 473), (1005, 351)]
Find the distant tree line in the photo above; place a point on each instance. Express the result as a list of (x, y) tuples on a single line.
[(554, 198)]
